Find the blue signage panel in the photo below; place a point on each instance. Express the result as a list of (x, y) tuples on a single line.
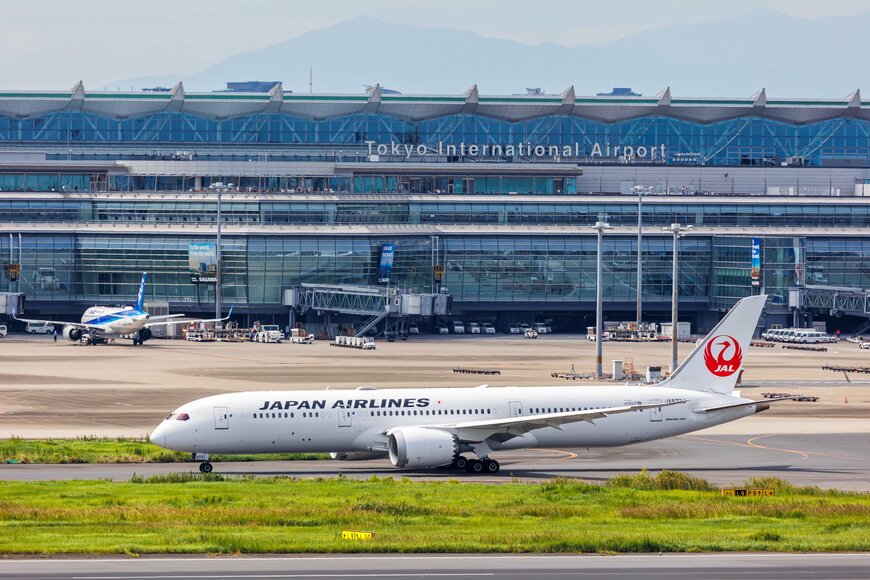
[(755, 272), (202, 259), (386, 266)]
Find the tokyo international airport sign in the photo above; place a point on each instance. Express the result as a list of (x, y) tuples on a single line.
[(202, 258), (394, 150)]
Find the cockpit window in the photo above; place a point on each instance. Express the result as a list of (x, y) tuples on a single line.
[(170, 416), (183, 417)]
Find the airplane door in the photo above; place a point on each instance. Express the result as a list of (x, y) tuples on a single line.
[(655, 414), (516, 408), (345, 419), (221, 418)]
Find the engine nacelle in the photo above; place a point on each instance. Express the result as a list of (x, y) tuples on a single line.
[(144, 334), (421, 447), (72, 333), (356, 455)]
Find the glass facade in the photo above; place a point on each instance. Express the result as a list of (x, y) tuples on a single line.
[(513, 272), (562, 269), (740, 141), (655, 213)]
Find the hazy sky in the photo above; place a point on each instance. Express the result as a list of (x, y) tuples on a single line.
[(54, 43)]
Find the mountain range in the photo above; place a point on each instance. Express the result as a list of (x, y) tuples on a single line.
[(737, 56)]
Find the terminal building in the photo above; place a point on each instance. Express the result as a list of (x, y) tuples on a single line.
[(487, 199)]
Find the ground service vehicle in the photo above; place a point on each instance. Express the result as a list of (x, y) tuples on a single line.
[(434, 427), (458, 327), (472, 328), (267, 333), (300, 336), (487, 328), (39, 327), (3, 331), (443, 329)]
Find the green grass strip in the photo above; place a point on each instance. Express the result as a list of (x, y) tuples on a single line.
[(219, 515), (100, 450)]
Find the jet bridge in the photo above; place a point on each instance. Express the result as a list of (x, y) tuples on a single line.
[(392, 304), (833, 299)]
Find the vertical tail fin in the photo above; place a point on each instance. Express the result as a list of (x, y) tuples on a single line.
[(716, 362), (140, 299)]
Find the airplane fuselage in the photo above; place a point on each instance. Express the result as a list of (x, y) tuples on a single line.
[(358, 420), (115, 321)]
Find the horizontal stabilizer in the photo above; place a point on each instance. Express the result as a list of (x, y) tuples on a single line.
[(745, 404)]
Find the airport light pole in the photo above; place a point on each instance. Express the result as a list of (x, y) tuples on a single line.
[(639, 190), (217, 281), (599, 320), (678, 232)]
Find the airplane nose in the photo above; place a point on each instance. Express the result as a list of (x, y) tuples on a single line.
[(158, 437)]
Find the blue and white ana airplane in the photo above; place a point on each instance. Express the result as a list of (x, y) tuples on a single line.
[(432, 427), (102, 322)]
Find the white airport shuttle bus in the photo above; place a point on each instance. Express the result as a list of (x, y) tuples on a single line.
[(101, 322), (433, 427)]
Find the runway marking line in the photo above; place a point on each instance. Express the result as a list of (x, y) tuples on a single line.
[(750, 444), (566, 455), (303, 575)]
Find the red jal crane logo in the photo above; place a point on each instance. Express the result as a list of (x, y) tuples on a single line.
[(728, 357)]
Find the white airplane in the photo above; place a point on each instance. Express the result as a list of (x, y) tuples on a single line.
[(101, 322), (432, 427)]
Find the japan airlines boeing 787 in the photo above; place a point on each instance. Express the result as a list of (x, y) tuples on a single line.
[(433, 427)]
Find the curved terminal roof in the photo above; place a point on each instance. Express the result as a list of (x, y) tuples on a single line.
[(512, 108)]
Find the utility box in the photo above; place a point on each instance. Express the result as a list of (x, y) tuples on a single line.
[(618, 371), (684, 330), (161, 308), (653, 374)]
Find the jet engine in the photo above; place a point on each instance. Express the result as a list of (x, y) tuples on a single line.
[(421, 447), (144, 334), (72, 333), (355, 455)]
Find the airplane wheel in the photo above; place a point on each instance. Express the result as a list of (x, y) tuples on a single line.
[(474, 466), (205, 467), (491, 466), (460, 463)]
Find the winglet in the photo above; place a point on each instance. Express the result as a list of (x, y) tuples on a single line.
[(140, 299), (230, 313)]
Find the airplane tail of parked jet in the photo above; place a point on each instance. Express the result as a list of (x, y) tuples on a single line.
[(140, 299), (715, 364)]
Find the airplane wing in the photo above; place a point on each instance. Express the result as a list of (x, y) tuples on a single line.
[(162, 320), (62, 323), (476, 431)]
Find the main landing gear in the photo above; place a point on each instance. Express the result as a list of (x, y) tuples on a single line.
[(475, 466)]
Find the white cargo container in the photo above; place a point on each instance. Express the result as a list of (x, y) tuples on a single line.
[(684, 330)]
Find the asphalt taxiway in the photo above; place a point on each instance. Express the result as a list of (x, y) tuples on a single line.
[(840, 461), (549, 567)]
